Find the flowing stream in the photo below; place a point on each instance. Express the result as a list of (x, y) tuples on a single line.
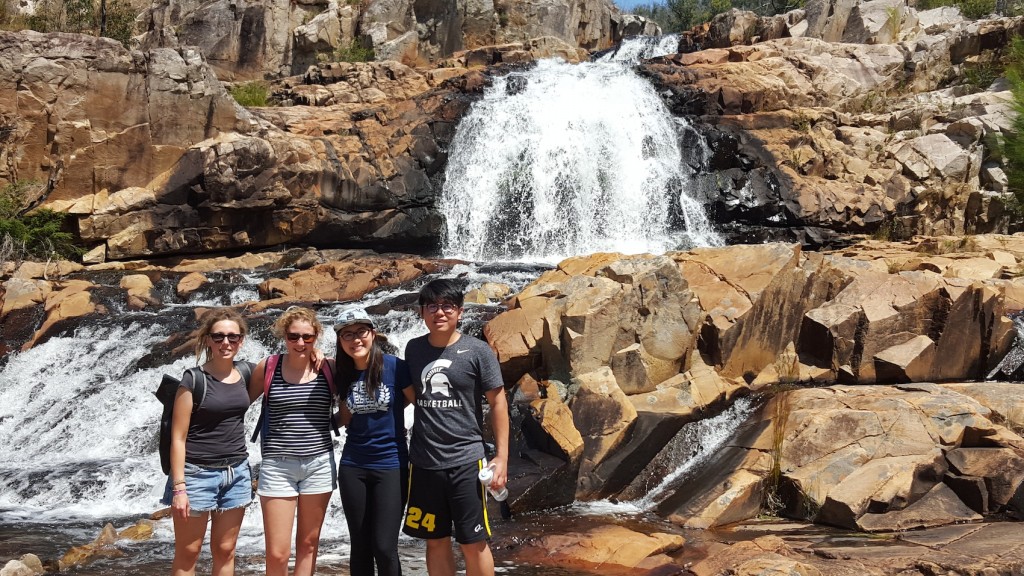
[(556, 161), (563, 159)]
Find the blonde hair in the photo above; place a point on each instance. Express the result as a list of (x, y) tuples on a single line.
[(294, 314), (206, 322)]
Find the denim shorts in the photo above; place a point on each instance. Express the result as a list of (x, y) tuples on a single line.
[(212, 488), (285, 476)]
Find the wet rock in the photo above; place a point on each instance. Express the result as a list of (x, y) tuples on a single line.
[(488, 292), (68, 300), (190, 283), (140, 291), (102, 546), (141, 530), (27, 565), (19, 293), (602, 547), (343, 281)]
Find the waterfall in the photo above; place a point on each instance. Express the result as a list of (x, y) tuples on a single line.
[(632, 50), (562, 160)]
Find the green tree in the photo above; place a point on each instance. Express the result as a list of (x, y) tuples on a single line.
[(1013, 145), (109, 18), (33, 234)]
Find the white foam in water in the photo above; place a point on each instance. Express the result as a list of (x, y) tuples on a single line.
[(710, 435), (564, 160), (632, 50)]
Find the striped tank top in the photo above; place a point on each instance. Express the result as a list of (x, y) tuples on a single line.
[(298, 417)]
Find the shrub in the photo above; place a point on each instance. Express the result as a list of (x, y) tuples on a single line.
[(37, 234), (251, 94), (353, 52)]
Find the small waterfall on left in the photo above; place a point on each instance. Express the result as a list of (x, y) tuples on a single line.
[(79, 419)]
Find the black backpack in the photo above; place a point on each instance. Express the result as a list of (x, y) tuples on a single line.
[(166, 393)]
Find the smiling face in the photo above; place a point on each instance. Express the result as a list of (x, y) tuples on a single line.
[(356, 341), (441, 318), (300, 337), (225, 331)]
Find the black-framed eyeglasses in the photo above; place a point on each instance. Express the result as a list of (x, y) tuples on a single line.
[(447, 308), (350, 336), (307, 338), (232, 338)]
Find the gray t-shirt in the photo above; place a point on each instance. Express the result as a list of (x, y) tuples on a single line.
[(449, 383), (217, 431)]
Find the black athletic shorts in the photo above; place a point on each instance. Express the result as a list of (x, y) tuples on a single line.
[(439, 499)]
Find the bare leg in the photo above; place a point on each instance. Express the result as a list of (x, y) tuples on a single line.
[(479, 561), (188, 541), (278, 516), (440, 557), (312, 509), (223, 538)]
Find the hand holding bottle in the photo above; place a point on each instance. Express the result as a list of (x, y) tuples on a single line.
[(486, 475)]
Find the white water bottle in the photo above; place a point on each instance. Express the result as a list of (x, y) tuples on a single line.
[(485, 476)]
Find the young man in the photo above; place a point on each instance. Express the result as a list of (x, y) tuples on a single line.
[(450, 371)]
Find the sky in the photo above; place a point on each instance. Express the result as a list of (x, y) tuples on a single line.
[(626, 5)]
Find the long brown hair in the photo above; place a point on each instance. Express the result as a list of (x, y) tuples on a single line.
[(347, 371), (206, 322)]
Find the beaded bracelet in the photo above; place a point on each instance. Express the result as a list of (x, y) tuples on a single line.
[(176, 492)]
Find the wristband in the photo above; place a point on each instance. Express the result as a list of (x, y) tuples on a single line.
[(176, 482), (176, 492)]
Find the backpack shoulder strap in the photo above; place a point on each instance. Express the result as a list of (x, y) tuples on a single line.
[(198, 387), (329, 376), (268, 376), (245, 370)]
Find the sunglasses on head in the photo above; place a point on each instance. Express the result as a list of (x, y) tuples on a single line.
[(350, 336), (307, 338), (446, 307), (219, 337)]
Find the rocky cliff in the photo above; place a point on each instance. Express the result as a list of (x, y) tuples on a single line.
[(809, 140), (814, 136), (253, 40)]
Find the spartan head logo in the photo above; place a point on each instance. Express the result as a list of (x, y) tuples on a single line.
[(434, 380)]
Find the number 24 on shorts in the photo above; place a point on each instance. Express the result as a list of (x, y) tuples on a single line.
[(412, 519)]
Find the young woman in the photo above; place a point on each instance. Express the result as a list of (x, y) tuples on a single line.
[(374, 461), (209, 462), (297, 476)]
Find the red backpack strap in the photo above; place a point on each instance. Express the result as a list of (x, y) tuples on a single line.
[(268, 376)]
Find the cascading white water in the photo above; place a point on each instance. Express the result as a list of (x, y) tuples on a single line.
[(633, 50), (567, 159)]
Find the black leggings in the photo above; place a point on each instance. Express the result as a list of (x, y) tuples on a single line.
[(373, 501)]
